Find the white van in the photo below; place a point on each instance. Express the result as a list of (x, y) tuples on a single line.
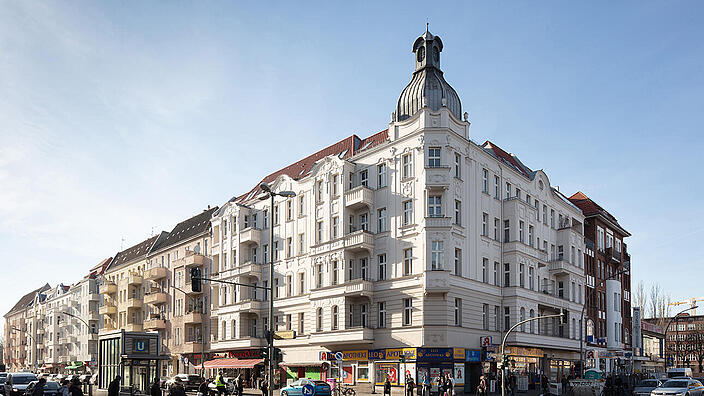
[(678, 372)]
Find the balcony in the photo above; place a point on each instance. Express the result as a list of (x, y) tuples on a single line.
[(155, 298), (194, 260), (437, 177), (251, 306), (134, 279), (189, 289), (108, 288), (520, 247), (134, 327), (359, 197), (157, 273), (562, 267), (436, 282), (250, 269), (154, 324), (358, 335), (40, 330), (191, 347), (438, 222), (93, 296), (71, 339), (107, 309), (250, 236), (73, 302), (359, 288), (359, 241), (133, 303), (192, 318), (63, 340), (92, 315)]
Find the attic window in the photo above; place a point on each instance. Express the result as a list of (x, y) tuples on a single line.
[(369, 143), (342, 154)]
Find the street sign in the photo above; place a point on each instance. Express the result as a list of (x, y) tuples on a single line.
[(185, 360), (485, 341), (308, 390), (338, 355), (284, 335)]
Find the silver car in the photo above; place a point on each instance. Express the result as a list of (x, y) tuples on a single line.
[(643, 388), (679, 387)]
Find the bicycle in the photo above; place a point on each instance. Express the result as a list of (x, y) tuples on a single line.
[(343, 391)]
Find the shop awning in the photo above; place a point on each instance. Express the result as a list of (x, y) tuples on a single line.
[(231, 363), (302, 364)]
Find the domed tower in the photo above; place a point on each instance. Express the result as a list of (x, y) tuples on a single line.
[(427, 87)]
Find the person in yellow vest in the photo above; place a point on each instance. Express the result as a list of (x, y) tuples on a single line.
[(220, 384)]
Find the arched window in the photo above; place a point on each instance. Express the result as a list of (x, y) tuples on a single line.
[(319, 320), (523, 317), (532, 322), (335, 315)]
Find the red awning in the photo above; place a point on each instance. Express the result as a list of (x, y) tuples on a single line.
[(231, 363)]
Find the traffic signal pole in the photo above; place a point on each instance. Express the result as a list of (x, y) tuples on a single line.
[(562, 315)]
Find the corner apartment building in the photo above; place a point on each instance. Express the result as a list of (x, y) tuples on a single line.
[(415, 241), (171, 307), (608, 288), (684, 342), (123, 287), (20, 332)]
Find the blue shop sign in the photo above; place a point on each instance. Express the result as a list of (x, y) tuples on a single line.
[(376, 354), (472, 356), (434, 353)]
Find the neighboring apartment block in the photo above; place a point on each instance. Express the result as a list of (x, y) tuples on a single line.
[(608, 288), (415, 240), (20, 330)]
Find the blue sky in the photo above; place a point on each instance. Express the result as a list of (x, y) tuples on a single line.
[(118, 119)]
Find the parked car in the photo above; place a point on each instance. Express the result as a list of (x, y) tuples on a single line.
[(51, 388), (644, 387), (16, 383), (679, 387), (229, 385), (190, 382), (322, 388), (3, 376)]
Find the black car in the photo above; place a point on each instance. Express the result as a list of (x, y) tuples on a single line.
[(51, 388), (16, 383), (190, 382), (3, 376)]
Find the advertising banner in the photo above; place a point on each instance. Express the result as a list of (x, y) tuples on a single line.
[(427, 354), (459, 374), (636, 342)]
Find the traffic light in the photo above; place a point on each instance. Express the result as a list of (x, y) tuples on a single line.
[(401, 358), (196, 285), (564, 316), (504, 361), (278, 356), (265, 355)]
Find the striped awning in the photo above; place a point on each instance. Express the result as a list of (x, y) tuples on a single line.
[(231, 363)]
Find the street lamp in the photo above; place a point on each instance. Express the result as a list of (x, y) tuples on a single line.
[(81, 319), (583, 329), (677, 336), (270, 336)]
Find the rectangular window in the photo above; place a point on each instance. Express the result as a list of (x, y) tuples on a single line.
[(545, 214), (520, 231), (485, 270), (537, 210), (335, 272), (335, 227), (302, 283), (407, 161), (382, 267), (289, 210), (521, 273), (507, 318), (497, 318), (381, 217), (508, 190), (381, 175), (485, 226), (319, 231), (458, 166), (289, 247), (289, 286), (382, 314), (407, 261), (363, 262), (434, 206), (319, 191), (552, 218), (434, 157), (276, 287), (497, 193), (319, 276), (436, 256), (364, 178), (507, 231), (507, 275), (531, 275), (407, 212), (530, 235), (276, 214), (335, 184), (458, 312), (364, 221), (301, 323), (518, 193), (496, 229), (485, 316), (301, 205), (276, 250), (458, 212), (496, 274), (301, 243), (485, 181), (458, 262), (407, 311)]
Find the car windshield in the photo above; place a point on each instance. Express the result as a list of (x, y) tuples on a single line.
[(650, 383), (194, 377), (51, 385), (675, 384), (23, 379)]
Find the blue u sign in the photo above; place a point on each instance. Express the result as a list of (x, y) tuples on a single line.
[(308, 390), (140, 345)]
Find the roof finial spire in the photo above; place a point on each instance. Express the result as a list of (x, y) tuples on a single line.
[(427, 24)]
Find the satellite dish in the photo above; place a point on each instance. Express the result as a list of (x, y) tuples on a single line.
[(196, 249)]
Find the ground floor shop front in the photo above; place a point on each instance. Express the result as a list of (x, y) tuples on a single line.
[(609, 361)]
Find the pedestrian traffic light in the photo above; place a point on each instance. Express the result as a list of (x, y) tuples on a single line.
[(196, 286), (401, 358), (504, 361)]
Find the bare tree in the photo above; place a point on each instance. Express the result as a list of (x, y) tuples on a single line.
[(659, 304), (640, 298)]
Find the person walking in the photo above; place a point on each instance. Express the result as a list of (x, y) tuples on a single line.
[(114, 387), (387, 386), (203, 388), (409, 385), (63, 389), (265, 386), (176, 389), (426, 385), (155, 389), (239, 385), (481, 388), (75, 388), (39, 387)]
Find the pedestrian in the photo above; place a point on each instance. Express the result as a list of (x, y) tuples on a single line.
[(264, 386), (155, 389), (409, 385), (239, 385), (203, 388), (426, 385), (63, 389), (75, 388), (544, 384), (565, 384), (481, 388), (387, 386), (39, 387), (452, 384), (220, 384), (114, 387), (176, 389)]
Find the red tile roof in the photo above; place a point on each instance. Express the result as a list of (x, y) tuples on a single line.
[(344, 149), (591, 208), (508, 158)]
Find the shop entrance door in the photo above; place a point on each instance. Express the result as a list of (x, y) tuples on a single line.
[(141, 379), (301, 372)]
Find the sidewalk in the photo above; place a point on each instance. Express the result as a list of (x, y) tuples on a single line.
[(362, 390)]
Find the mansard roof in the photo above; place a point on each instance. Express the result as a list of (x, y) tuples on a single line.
[(187, 229)]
